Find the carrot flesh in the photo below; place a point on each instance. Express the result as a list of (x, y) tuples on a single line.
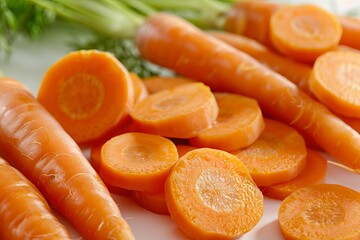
[(89, 92), (157, 83), (313, 173), (34, 143), (179, 112), (153, 201), (224, 68), (323, 211), (24, 213), (182, 149), (210, 195), (238, 125), (351, 31), (140, 89), (334, 82)]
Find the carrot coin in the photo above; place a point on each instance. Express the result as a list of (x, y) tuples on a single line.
[(157, 83), (153, 201)]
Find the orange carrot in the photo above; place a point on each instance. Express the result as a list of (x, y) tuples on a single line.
[(351, 31), (88, 92), (24, 213), (304, 32), (210, 195), (323, 211), (140, 90), (182, 149), (153, 201), (157, 83), (313, 173), (238, 125), (137, 161), (179, 112), (34, 143), (224, 68)]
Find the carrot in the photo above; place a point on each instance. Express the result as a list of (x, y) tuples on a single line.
[(304, 32), (157, 83), (182, 149), (34, 143), (323, 211), (88, 92), (278, 155), (238, 125), (210, 195), (24, 213), (153, 201), (137, 161), (224, 68), (140, 90), (179, 112), (351, 31), (334, 82), (313, 173)]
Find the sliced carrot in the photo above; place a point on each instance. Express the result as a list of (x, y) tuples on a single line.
[(24, 213), (137, 161), (353, 122), (323, 211), (89, 92), (351, 31), (153, 201), (210, 195), (278, 155), (334, 81), (313, 173), (238, 125), (140, 90), (157, 83), (304, 31), (182, 149), (179, 112)]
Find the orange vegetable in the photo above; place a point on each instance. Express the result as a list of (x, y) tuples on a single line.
[(304, 32), (182, 149), (278, 155), (224, 68), (210, 195), (137, 161), (351, 31), (153, 201), (24, 213), (179, 112), (323, 211), (238, 125), (313, 173), (140, 90), (34, 143), (157, 83), (334, 81), (88, 92)]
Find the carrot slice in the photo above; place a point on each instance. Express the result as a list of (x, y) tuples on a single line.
[(351, 31), (323, 211), (153, 201), (210, 195), (140, 90), (88, 92), (182, 149), (313, 173), (137, 161), (304, 31), (278, 155), (157, 83), (179, 112), (239, 124), (24, 213)]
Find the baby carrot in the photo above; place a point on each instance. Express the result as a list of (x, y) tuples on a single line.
[(24, 213), (224, 68), (88, 92), (34, 143), (323, 211), (157, 83), (210, 195), (239, 124), (179, 112), (153, 201), (351, 31)]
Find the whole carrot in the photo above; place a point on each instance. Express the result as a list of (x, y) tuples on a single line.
[(33, 142), (192, 53)]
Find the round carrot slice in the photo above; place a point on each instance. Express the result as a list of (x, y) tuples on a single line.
[(239, 124), (153, 201), (335, 82), (210, 195), (137, 161), (278, 155), (304, 31), (182, 149), (158, 83), (140, 90), (179, 112), (323, 211)]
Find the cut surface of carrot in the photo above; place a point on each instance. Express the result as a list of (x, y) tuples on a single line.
[(157, 83), (137, 161), (239, 124), (153, 201), (335, 82), (313, 173), (210, 195), (88, 92), (351, 31), (323, 211), (179, 112), (304, 31), (278, 155)]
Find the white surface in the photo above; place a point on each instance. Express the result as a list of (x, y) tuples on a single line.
[(28, 64)]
